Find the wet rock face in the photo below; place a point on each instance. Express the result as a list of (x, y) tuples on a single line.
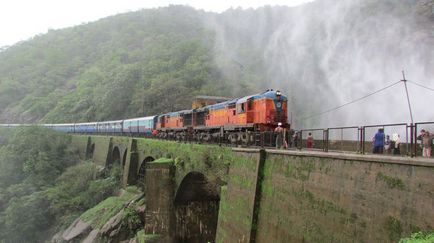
[(196, 221), (122, 227), (77, 230)]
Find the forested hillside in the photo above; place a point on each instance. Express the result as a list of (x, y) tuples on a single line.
[(43, 187), (154, 61)]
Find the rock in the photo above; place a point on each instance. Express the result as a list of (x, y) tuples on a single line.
[(78, 228), (133, 240), (57, 238), (92, 237), (114, 224)]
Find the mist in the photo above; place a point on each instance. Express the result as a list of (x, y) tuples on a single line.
[(327, 53)]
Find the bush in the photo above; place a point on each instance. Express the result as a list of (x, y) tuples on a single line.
[(27, 218)]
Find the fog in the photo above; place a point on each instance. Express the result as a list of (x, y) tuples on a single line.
[(326, 53)]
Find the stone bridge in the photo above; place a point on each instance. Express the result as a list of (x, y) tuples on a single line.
[(208, 193)]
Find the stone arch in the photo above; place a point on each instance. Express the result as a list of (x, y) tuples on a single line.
[(91, 151), (196, 207), (115, 157), (142, 171), (124, 158)]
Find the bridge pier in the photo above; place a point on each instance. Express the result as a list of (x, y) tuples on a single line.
[(131, 164), (159, 197)]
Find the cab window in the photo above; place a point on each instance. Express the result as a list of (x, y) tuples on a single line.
[(241, 108)]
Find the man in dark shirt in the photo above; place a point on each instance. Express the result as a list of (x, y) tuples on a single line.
[(378, 142)]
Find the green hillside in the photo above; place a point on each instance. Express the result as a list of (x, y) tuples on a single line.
[(154, 61)]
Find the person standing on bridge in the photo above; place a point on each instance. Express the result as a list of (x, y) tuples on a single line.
[(309, 141), (427, 139), (388, 145), (279, 135), (397, 140), (378, 142)]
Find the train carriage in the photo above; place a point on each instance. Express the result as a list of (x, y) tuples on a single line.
[(86, 127), (66, 127), (110, 127), (141, 125)]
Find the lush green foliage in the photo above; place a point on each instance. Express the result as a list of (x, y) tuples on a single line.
[(101, 213), (42, 188), (420, 237), (117, 67)]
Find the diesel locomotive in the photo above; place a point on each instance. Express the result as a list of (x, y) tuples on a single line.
[(231, 120)]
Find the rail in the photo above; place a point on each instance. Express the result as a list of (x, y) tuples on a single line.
[(404, 138)]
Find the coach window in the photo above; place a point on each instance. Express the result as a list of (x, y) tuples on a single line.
[(241, 108)]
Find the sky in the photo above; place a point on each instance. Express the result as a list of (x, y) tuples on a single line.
[(23, 19)]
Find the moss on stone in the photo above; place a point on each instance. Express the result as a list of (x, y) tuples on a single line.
[(392, 182), (394, 228), (101, 213), (320, 205), (162, 161)]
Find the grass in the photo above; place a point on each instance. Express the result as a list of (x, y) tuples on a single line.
[(141, 237), (391, 182), (420, 237), (101, 213), (162, 161)]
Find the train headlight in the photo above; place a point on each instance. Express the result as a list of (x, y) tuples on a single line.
[(278, 93)]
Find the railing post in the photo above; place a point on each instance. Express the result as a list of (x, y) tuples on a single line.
[(300, 141), (413, 142), (326, 140), (362, 139)]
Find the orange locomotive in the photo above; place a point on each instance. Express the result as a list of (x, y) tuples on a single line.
[(230, 119)]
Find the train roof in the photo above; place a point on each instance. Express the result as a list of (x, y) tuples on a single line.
[(108, 122), (86, 123), (140, 118), (221, 105), (272, 94)]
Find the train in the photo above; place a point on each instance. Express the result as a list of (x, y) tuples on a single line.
[(230, 120)]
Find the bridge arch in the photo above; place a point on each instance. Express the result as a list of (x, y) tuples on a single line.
[(196, 207), (142, 171), (90, 152), (115, 157), (124, 159)]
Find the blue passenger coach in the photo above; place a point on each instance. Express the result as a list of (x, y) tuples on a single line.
[(140, 126)]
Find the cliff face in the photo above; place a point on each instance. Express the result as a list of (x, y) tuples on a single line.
[(116, 219), (321, 54)]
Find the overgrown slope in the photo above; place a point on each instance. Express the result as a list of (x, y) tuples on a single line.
[(43, 187)]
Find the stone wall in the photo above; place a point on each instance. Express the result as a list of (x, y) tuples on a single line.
[(317, 197), (281, 195), (237, 203)]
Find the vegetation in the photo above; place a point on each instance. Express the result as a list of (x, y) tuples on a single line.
[(125, 65), (117, 67), (43, 187), (101, 213), (420, 237)]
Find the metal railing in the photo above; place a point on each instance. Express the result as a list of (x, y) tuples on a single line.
[(348, 139), (360, 139)]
